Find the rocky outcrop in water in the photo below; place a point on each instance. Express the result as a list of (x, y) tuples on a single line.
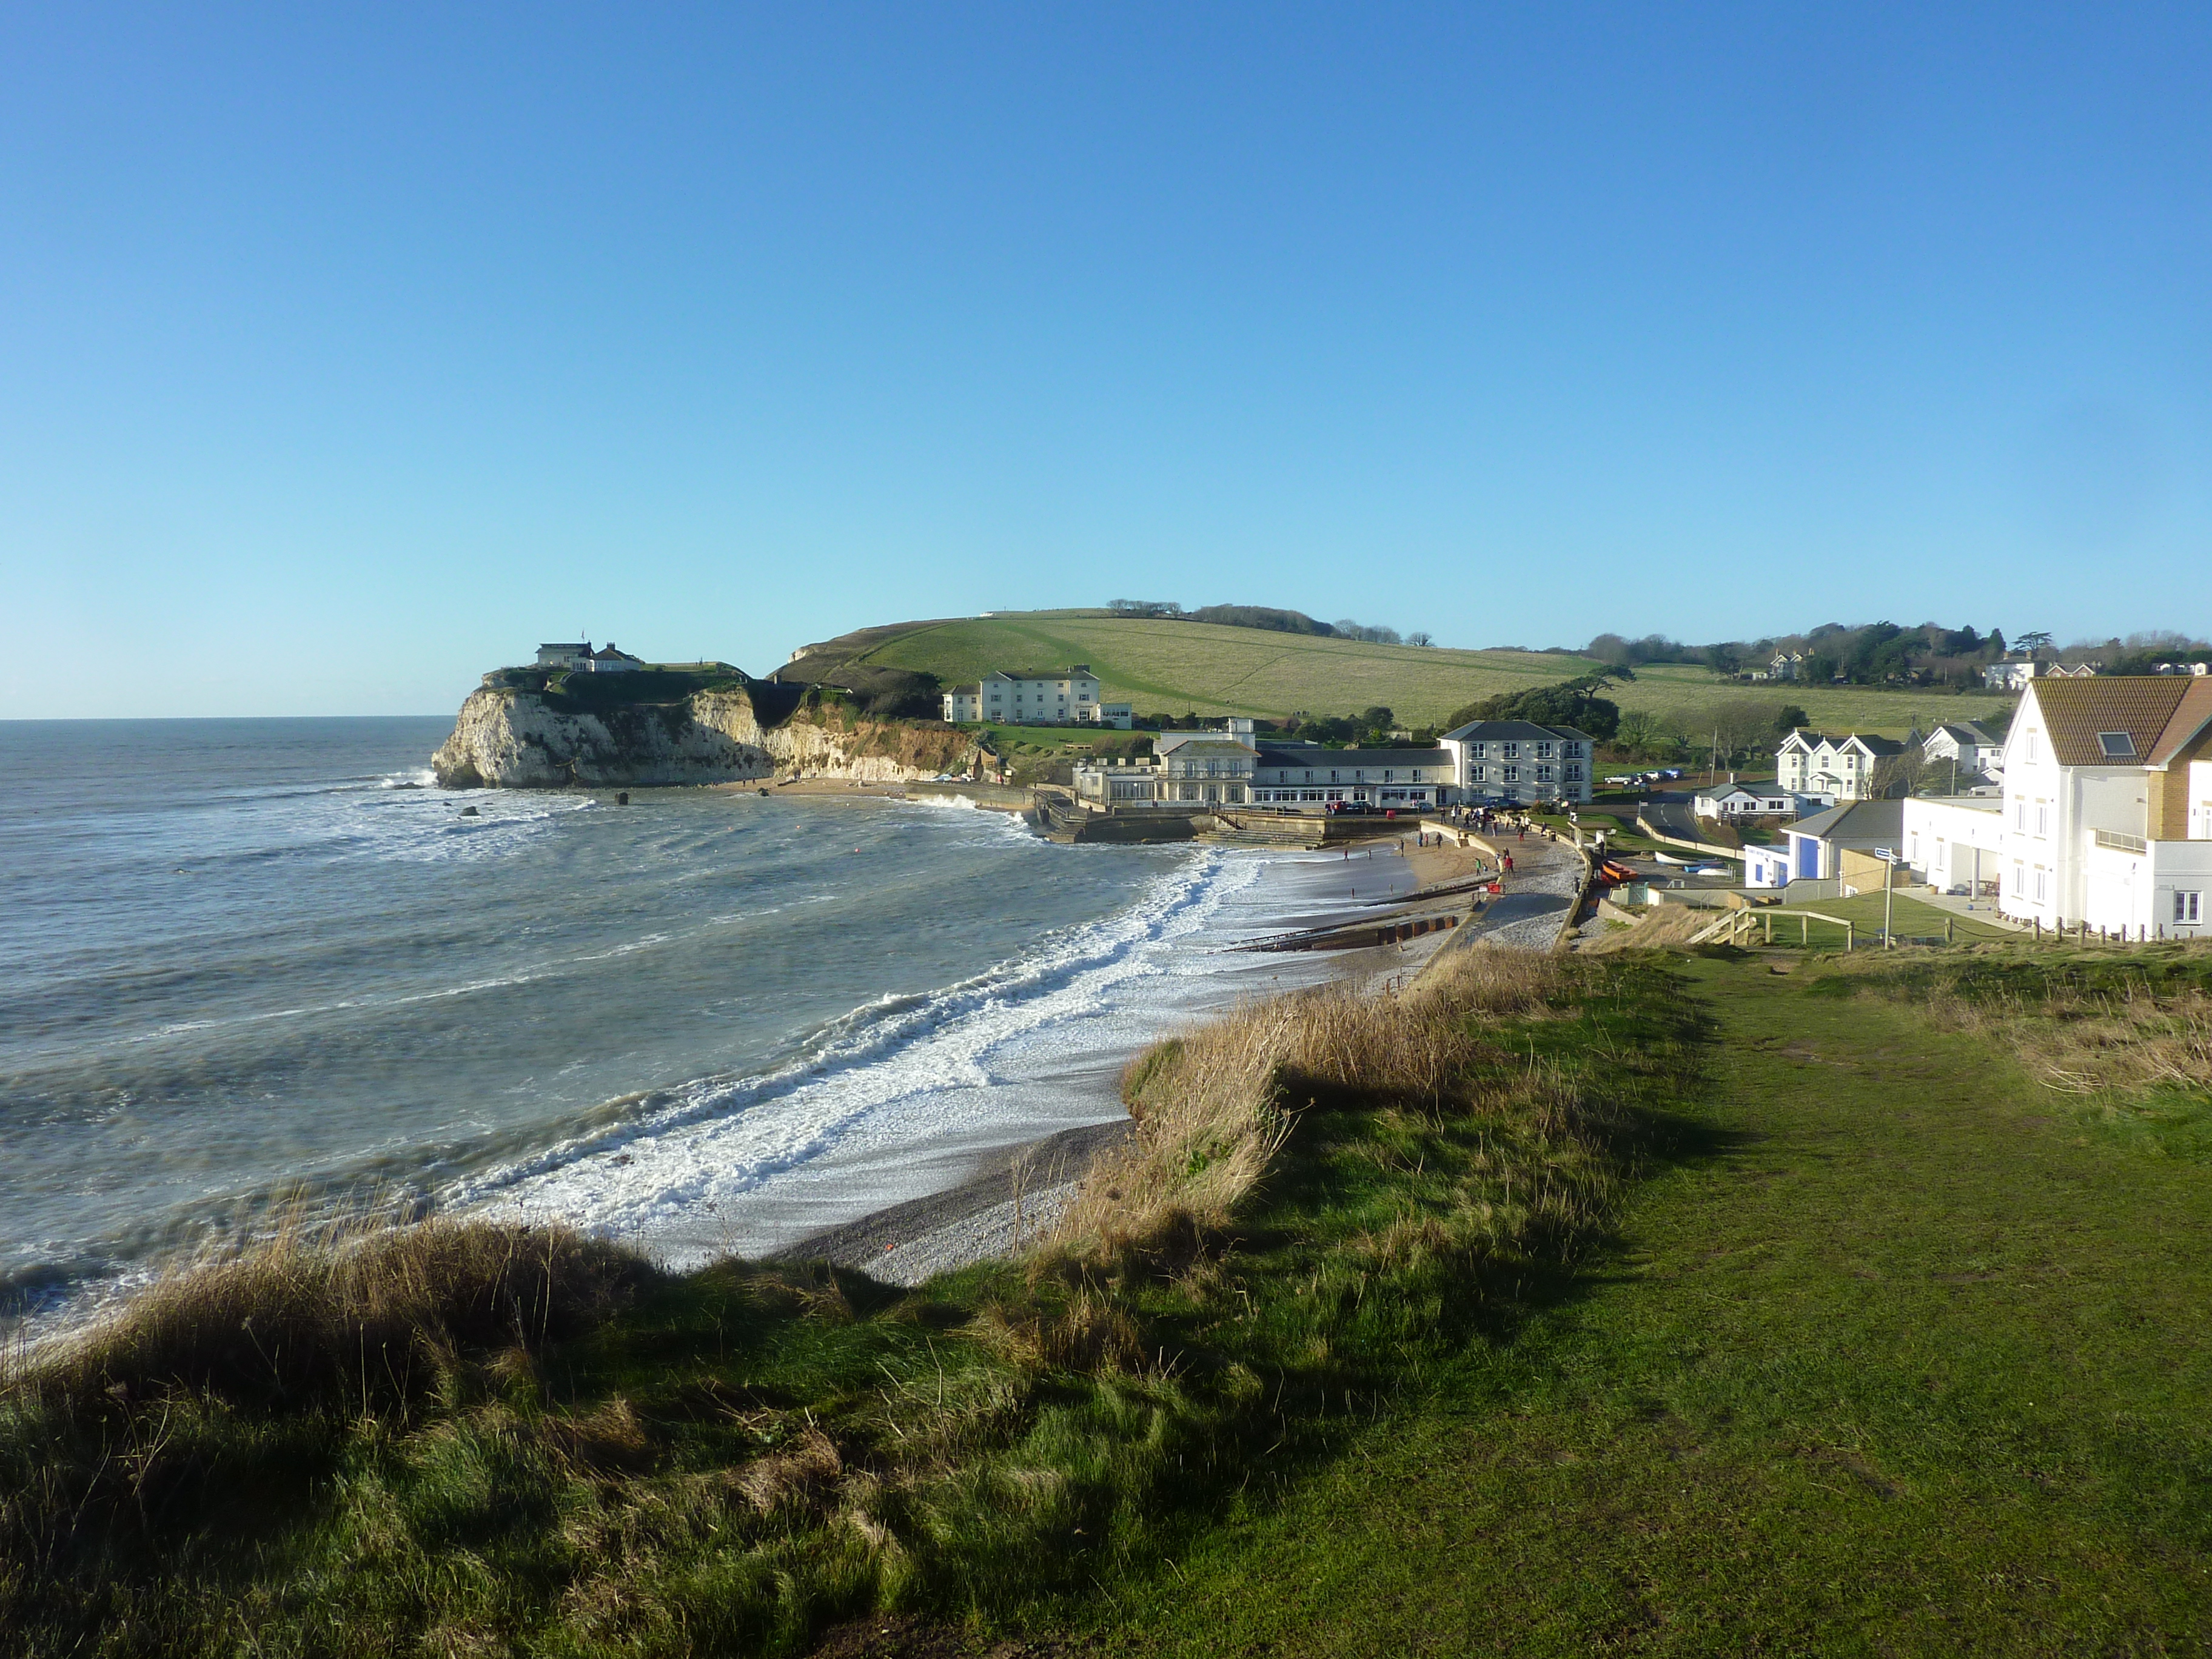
[(517, 737)]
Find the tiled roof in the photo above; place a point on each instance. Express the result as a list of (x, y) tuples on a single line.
[(2187, 720), (2075, 711), (1964, 732)]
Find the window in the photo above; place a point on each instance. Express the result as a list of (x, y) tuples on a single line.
[(2188, 908), (2032, 735), (1543, 751), (2020, 816), (1510, 751), (1476, 750), (2117, 746), (2041, 875), (1512, 774), (2042, 820), (1478, 773)]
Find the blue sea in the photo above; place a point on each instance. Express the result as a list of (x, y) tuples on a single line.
[(258, 967)]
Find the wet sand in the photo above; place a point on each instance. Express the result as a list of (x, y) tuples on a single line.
[(993, 1207)]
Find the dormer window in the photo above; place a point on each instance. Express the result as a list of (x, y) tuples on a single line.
[(2117, 746)]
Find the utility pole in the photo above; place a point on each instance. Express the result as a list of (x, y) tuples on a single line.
[(1888, 857)]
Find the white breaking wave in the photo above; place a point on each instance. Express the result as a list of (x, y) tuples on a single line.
[(720, 1138)]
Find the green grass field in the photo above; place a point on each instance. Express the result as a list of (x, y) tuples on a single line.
[(1171, 667), (1897, 1352)]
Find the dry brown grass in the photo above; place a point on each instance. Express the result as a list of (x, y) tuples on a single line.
[(1667, 927), (373, 1318), (2091, 1043), (1213, 1106)]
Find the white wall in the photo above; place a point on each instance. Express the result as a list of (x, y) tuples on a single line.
[(1942, 839)]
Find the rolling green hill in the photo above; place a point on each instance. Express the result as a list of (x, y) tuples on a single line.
[(1165, 666)]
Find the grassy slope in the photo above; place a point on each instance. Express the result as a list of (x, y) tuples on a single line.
[(1174, 666), (1898, 1356)]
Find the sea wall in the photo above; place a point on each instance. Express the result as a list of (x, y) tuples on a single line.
[(509, 738)]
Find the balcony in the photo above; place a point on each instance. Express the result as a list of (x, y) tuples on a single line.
[(2113, 841)]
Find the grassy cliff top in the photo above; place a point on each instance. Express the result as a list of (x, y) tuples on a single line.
[(1165, 666)]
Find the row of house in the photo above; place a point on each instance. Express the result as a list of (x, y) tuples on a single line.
[(1834, 769), (2014, 674), (1037, 696), (2104, 816), (579, 658), (1497, 761)]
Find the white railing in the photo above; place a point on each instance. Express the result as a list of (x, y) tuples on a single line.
[(2115, 841)]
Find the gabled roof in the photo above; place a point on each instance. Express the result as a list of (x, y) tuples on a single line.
[(1081, 671), (1511, 732), (2188, 719), (1876, 746), (1855, 820), (2074, 711), (1806, 739), (1964, 732), (970, 690)]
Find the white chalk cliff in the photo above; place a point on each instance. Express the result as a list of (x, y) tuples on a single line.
[(521, 739)]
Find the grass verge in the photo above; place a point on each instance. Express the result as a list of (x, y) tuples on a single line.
[(1899, 1350)]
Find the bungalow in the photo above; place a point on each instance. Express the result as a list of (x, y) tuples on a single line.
[(576, 654), (1831, 770), (1766, 866), (1817, 844), (1520, 761), (612, 661), (2107, 807), (1737, 802)]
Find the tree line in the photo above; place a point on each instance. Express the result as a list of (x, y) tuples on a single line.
[(1270, 619), (1885, 653)]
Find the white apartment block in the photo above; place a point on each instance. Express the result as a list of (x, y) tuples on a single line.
[(1518, 761), (1045, 696)]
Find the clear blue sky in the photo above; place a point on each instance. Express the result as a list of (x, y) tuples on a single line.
[(346, 351)]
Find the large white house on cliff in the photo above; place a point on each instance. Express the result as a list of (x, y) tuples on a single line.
[(1039, 696), (2108, 805)]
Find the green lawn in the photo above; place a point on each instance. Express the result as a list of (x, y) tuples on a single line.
[(1896, 1353), (1680, 691)]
